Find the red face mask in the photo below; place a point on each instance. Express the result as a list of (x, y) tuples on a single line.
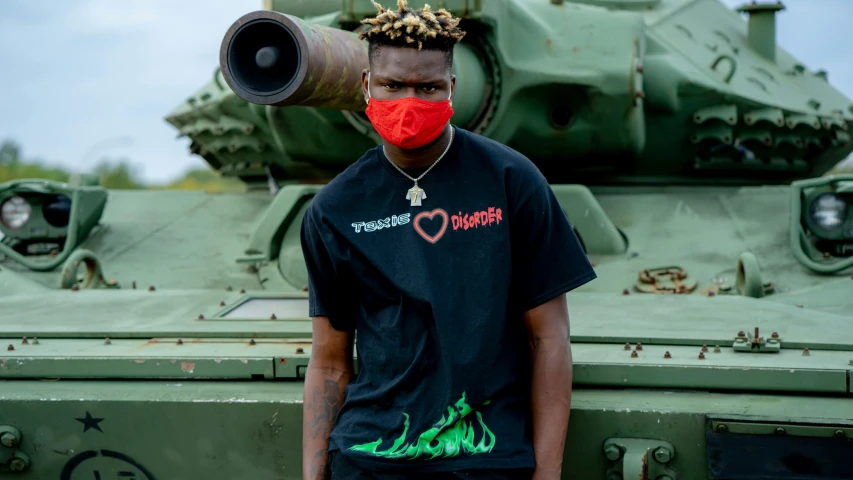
[(408, 122)]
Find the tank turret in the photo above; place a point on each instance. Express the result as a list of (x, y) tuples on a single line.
[(640, 92)]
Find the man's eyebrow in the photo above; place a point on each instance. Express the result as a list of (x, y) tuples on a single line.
[(429, 81), (432, 81)]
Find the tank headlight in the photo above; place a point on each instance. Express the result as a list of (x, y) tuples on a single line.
[(57, 210), (15, 212), (828, 211)]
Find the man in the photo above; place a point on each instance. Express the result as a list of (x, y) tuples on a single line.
[(457, 297)]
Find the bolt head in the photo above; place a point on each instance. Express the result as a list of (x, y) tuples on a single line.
[(839, 434), (741, 333), (17, 465), (663, 455), (8, 440), (722, 428), (612, 452)]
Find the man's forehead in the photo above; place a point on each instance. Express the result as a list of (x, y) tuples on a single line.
[(411, 65)]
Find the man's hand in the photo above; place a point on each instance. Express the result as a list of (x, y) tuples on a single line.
[(329, 372), (551, 392)]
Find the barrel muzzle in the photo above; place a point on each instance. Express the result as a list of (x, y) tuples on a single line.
[(271, 58)]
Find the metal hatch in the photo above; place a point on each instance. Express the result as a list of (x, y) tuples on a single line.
[(153, 334), (698, 320), (149, 314)]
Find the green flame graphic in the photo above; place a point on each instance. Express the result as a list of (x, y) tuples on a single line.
[(451, 436)]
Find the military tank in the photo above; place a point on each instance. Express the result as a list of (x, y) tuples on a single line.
[(164, 335)]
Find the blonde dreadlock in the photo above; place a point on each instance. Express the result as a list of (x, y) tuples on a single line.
[(406, 27)]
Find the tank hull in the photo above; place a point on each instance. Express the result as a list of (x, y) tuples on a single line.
[(185, 430)]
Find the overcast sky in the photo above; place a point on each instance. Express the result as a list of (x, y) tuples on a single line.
[(83, 79)]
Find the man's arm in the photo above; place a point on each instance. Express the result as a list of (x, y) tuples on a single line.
[(329, 371), (551, 393)]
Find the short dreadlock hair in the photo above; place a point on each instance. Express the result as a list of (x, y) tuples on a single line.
[(422, 29)]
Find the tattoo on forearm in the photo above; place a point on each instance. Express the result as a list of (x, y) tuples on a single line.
[(320, 466), (324, 407)]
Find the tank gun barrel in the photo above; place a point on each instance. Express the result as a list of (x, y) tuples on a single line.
[(271, 58)]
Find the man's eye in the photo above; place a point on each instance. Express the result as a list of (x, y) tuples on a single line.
[(430, 89)]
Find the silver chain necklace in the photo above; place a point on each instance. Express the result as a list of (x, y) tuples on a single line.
[(416, 193)]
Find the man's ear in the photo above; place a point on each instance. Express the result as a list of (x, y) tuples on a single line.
[(364, 85)]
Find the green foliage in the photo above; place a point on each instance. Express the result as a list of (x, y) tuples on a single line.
[(10, 153), (12, 171), (119, 175), (207, 180), (113, 174)]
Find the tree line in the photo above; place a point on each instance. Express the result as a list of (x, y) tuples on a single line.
[(118, 173)]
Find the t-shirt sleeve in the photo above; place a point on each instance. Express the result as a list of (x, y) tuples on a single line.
[(548, 259), (325, 295)]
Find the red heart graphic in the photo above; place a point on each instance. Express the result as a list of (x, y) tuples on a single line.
[(430, 215)]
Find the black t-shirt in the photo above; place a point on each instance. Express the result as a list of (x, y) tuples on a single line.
[(436, 295)]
